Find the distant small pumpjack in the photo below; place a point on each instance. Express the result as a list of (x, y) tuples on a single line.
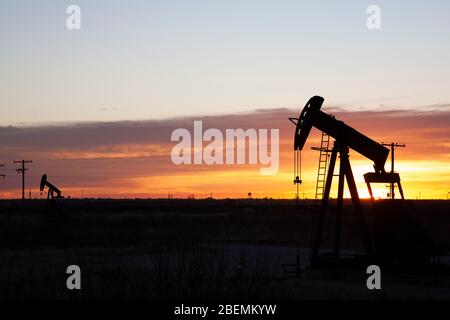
[(53, 192)]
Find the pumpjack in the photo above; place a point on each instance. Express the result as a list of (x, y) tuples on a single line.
[(53, 192), (375, 243)]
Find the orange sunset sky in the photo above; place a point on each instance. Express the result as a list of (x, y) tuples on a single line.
[(94, 107), (132, 158)]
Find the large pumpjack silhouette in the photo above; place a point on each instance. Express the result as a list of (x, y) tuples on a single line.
[(383, 245)]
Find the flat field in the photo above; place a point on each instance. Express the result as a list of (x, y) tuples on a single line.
[(191, 249)]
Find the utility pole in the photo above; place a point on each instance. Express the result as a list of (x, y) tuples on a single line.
[(22, 170), (393, 145), (2, 175)]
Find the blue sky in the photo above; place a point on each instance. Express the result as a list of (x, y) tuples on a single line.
[(158, 59)]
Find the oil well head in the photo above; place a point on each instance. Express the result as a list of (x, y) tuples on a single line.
[(53, 191)]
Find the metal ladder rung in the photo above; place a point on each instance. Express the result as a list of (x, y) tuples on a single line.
[(323, 163)]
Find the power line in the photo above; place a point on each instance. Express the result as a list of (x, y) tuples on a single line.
[(393, 145), (98, 158), (22, 170)]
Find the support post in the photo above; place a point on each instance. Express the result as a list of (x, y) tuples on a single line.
[(365, 235), (401, 189), (392, 171), (340, 200)]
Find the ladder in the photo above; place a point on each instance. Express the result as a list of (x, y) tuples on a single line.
[(322, 170), (320, 185)]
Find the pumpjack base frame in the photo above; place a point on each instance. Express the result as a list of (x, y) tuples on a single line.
[(345, 173)]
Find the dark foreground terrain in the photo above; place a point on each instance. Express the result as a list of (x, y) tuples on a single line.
[(191, 249)]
